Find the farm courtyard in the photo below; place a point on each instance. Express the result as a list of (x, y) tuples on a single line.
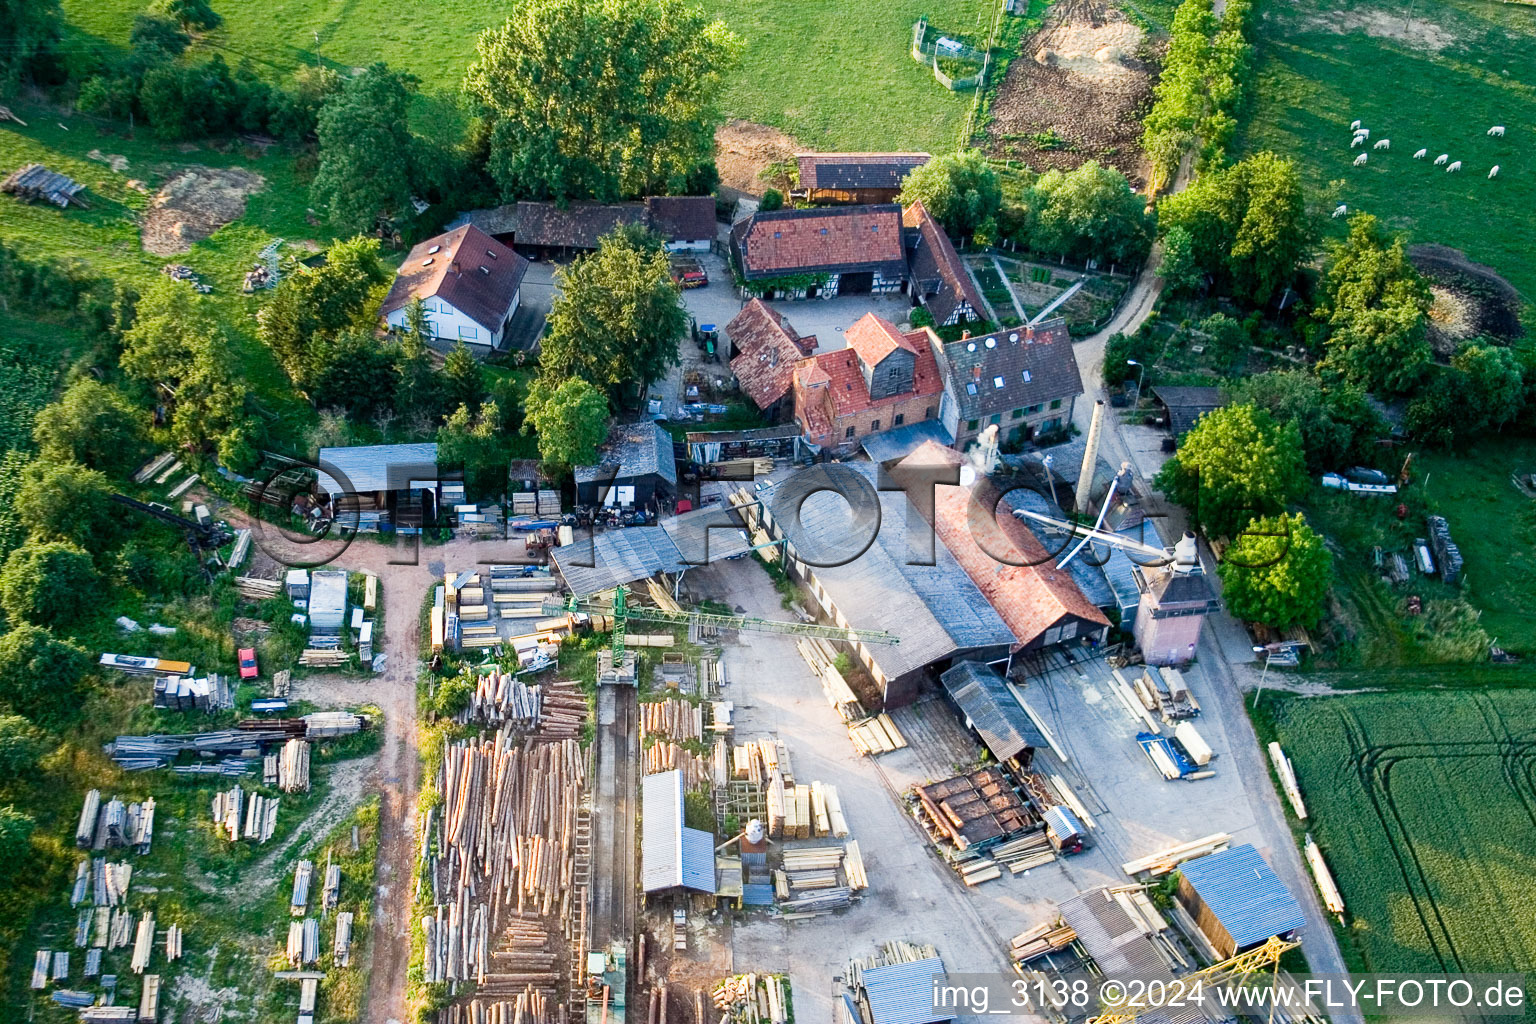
[(1424, 76), (1423, 805)]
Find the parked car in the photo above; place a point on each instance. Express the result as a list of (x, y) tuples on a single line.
[(687, 273), (247, 656)]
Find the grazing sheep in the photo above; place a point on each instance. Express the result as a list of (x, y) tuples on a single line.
[(1341, 209), (1357, 141), (1495, 172), (1497, 130), (1363, 133), (1455, 166), (1421, 154), (1441, 159), (1361, 159), (1383, 144), (1354, 126)]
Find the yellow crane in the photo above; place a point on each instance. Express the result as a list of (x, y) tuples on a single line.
[(1233, 970)]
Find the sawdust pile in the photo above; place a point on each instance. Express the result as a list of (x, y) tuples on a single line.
[(744, 148), (194, 204)]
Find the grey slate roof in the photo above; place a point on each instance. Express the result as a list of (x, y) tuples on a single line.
[(635, 553), (1244, 893), (376, 467), (637, 449), (672, 855), (856, 170), (681, 218), (994, 713), (1181, 590), (1085, 570), (903, 993), (578, 226), (1185, 405), (935, 609), (1021, 367), (899, 442)]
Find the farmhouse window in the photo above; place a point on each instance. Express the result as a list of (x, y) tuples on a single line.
[(875, 425), (971, 424), (1017, 414), (996, 419), (901, 418), (469, 332), (848, 432), (928, 415), (1056, 403)]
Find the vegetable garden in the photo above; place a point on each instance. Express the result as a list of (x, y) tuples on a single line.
[(1425, 806)]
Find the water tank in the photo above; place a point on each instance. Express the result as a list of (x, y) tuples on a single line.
[(755, 832)]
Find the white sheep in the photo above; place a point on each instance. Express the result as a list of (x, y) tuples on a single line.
[(1341, 209), (1421, 154), (1354, 126), (1497, 131), (1361, 159), (1383, 144), (1455, 166), (1363, 133), (1495, 172), (1356, 141), (1441, 159)]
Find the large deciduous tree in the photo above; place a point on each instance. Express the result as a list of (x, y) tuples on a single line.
[(1089, 212), (92, 424), (29, 32), (1375, 305), (600, 99), (618, 318), (1337, 425), (366, 151), (67, 501), (47, 584), (40, 675), (569, 420), (313, 306), (1277, 572), (1248, 225), (960, 190), (1483, 388), (1236, 463)]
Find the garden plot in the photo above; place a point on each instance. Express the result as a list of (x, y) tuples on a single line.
[(1075, 92), (1425, 808)]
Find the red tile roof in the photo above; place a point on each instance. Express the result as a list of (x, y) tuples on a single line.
[(833, 383), (874, 338), (466, 268), (1031, 597), (843, 239), (768, 349), (935, 256)]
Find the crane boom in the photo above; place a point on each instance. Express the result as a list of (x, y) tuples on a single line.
[(1226, 972), (739, 622)]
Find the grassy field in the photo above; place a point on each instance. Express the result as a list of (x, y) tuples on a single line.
[(834, 75), (1424, 806), (1435, 76)]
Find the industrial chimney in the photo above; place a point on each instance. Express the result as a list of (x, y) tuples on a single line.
[(1090, 460)]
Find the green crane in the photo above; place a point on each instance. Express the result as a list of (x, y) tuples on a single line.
[(622, 613)]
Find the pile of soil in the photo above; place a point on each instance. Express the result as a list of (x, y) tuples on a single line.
[(194, 204), (1076, 92), (744, 148), (1471, 300)]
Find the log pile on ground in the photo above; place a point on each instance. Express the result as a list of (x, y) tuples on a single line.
[(697, 769), (500, 698), (672, 719), (752, 999), (530, 1006)]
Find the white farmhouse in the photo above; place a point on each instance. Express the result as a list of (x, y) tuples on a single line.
[(468, 283)]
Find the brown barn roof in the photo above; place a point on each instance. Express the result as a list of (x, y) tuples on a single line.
[(466, 268), (682, 218), (856, 170), (842, 239), (767, 350), (578, 226), (937, 266), (1030, 597), (1012, 368)]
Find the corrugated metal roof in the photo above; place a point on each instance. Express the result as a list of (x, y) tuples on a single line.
[(635, 553), (994, 713), (902, 441), (327, 599), (1244, 893), (376, 467), (671, 854), (757, 894), (1112, 939), (903, 993)]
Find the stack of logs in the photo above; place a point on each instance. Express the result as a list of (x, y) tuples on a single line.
[(503, 862), (751, 999), (530, 1007), (672, 719), (665, 756)]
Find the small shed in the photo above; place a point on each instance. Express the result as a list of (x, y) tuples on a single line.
[(988, 707), (672, 855), (903, 993), (1237, 900), (634, 467), (1184, 406), (327, 602)]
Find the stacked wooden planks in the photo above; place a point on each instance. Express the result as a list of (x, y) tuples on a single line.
[(853, 866), (1039, 940), (1164, 861), (320, 657), (1285, 771), (751, 999), (820, 655), (876, 735), (502, 872), (1332, 898), (293, 767)]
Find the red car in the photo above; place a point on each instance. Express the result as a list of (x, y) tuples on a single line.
[(247, 656)]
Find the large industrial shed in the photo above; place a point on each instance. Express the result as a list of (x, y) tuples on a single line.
[(1237, 900), (625, 556), (937, 610), (897, 994), (984, 701), (672, 855)]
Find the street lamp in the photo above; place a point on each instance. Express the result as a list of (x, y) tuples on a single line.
[(1262, 675), (1141, 375)]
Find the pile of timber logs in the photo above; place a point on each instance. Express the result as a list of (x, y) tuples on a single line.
[(666, 755), (500, 698), (562, 710), (500, 855), (752, 999), (673, 719), (530, 1007)]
